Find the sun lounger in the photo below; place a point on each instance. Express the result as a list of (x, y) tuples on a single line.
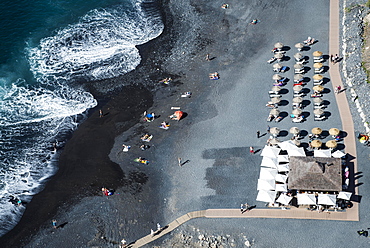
[(275, 95), (321, 118), (283, 69), (319, 70)]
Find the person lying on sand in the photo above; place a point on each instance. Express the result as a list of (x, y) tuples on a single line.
[(147, 137), (166, 80), (214, 76)]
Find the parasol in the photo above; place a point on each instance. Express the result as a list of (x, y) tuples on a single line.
[(316, 130), (317, 54), (331, 144), (317, 65), (316, 143)]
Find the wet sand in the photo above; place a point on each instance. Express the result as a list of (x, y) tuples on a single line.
[(221, 123)]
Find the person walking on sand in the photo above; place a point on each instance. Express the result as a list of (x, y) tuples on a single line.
[(100, 113), (258, 134), (54, 223), (268, 129), (207, 57), (251, 149), (179, 161)]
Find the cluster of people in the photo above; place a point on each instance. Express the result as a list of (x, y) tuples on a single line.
[(214, 76), (334, 59), (310, 41), (107, 192)]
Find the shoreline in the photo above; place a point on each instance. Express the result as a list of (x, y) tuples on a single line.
[(161, 191)]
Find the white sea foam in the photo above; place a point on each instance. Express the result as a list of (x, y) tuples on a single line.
[(101, 45)]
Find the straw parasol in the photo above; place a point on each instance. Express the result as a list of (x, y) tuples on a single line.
[(334, 131), (294, 130), (298, 66), (296, 142), (275, 99), (278, 55), (296, 112), (279, 45), (276, 88), (317, 54), (318, 77), (275, 130), (297, 88), (298, 56), (331, 144), (318, 100), (277, 66), (274, 111), (274, 141), (318, 111), (276, 77), (318, 88), (297, 99), (316, 143), (299, 46), (298, 77), (317, 65), (316, 130)]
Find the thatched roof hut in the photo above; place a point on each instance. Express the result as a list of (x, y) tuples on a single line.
[(316, 174)]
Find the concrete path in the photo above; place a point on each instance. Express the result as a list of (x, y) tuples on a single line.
[(351, 214)]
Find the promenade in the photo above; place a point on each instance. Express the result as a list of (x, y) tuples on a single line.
[(351, 214)]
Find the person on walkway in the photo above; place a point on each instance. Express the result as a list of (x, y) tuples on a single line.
[(151, 232), (54, 223), (338, 89), (258, 134), (158, 227), (251, 149), (332, 59)]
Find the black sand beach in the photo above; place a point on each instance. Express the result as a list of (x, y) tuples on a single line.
[(221, 123)]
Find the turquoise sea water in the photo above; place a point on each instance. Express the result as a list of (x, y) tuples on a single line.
[(47, 46)]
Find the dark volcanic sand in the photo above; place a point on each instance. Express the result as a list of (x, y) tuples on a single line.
[(85, 167)]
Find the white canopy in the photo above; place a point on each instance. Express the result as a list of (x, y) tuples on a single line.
[(281, 188), (269, 151), (287, 145), (322, 153), (344, 195), (269, 162), (281, 178), (327, 199), (284, 199), (283, 158), (266, 184), (283, 167), (306, 199), (267, 173), (299, 152), (338, 154), (266, 196)]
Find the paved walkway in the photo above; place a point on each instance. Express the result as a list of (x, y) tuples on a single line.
[(351, 214)]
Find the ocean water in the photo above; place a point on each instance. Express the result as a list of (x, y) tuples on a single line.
[(47, 47)]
